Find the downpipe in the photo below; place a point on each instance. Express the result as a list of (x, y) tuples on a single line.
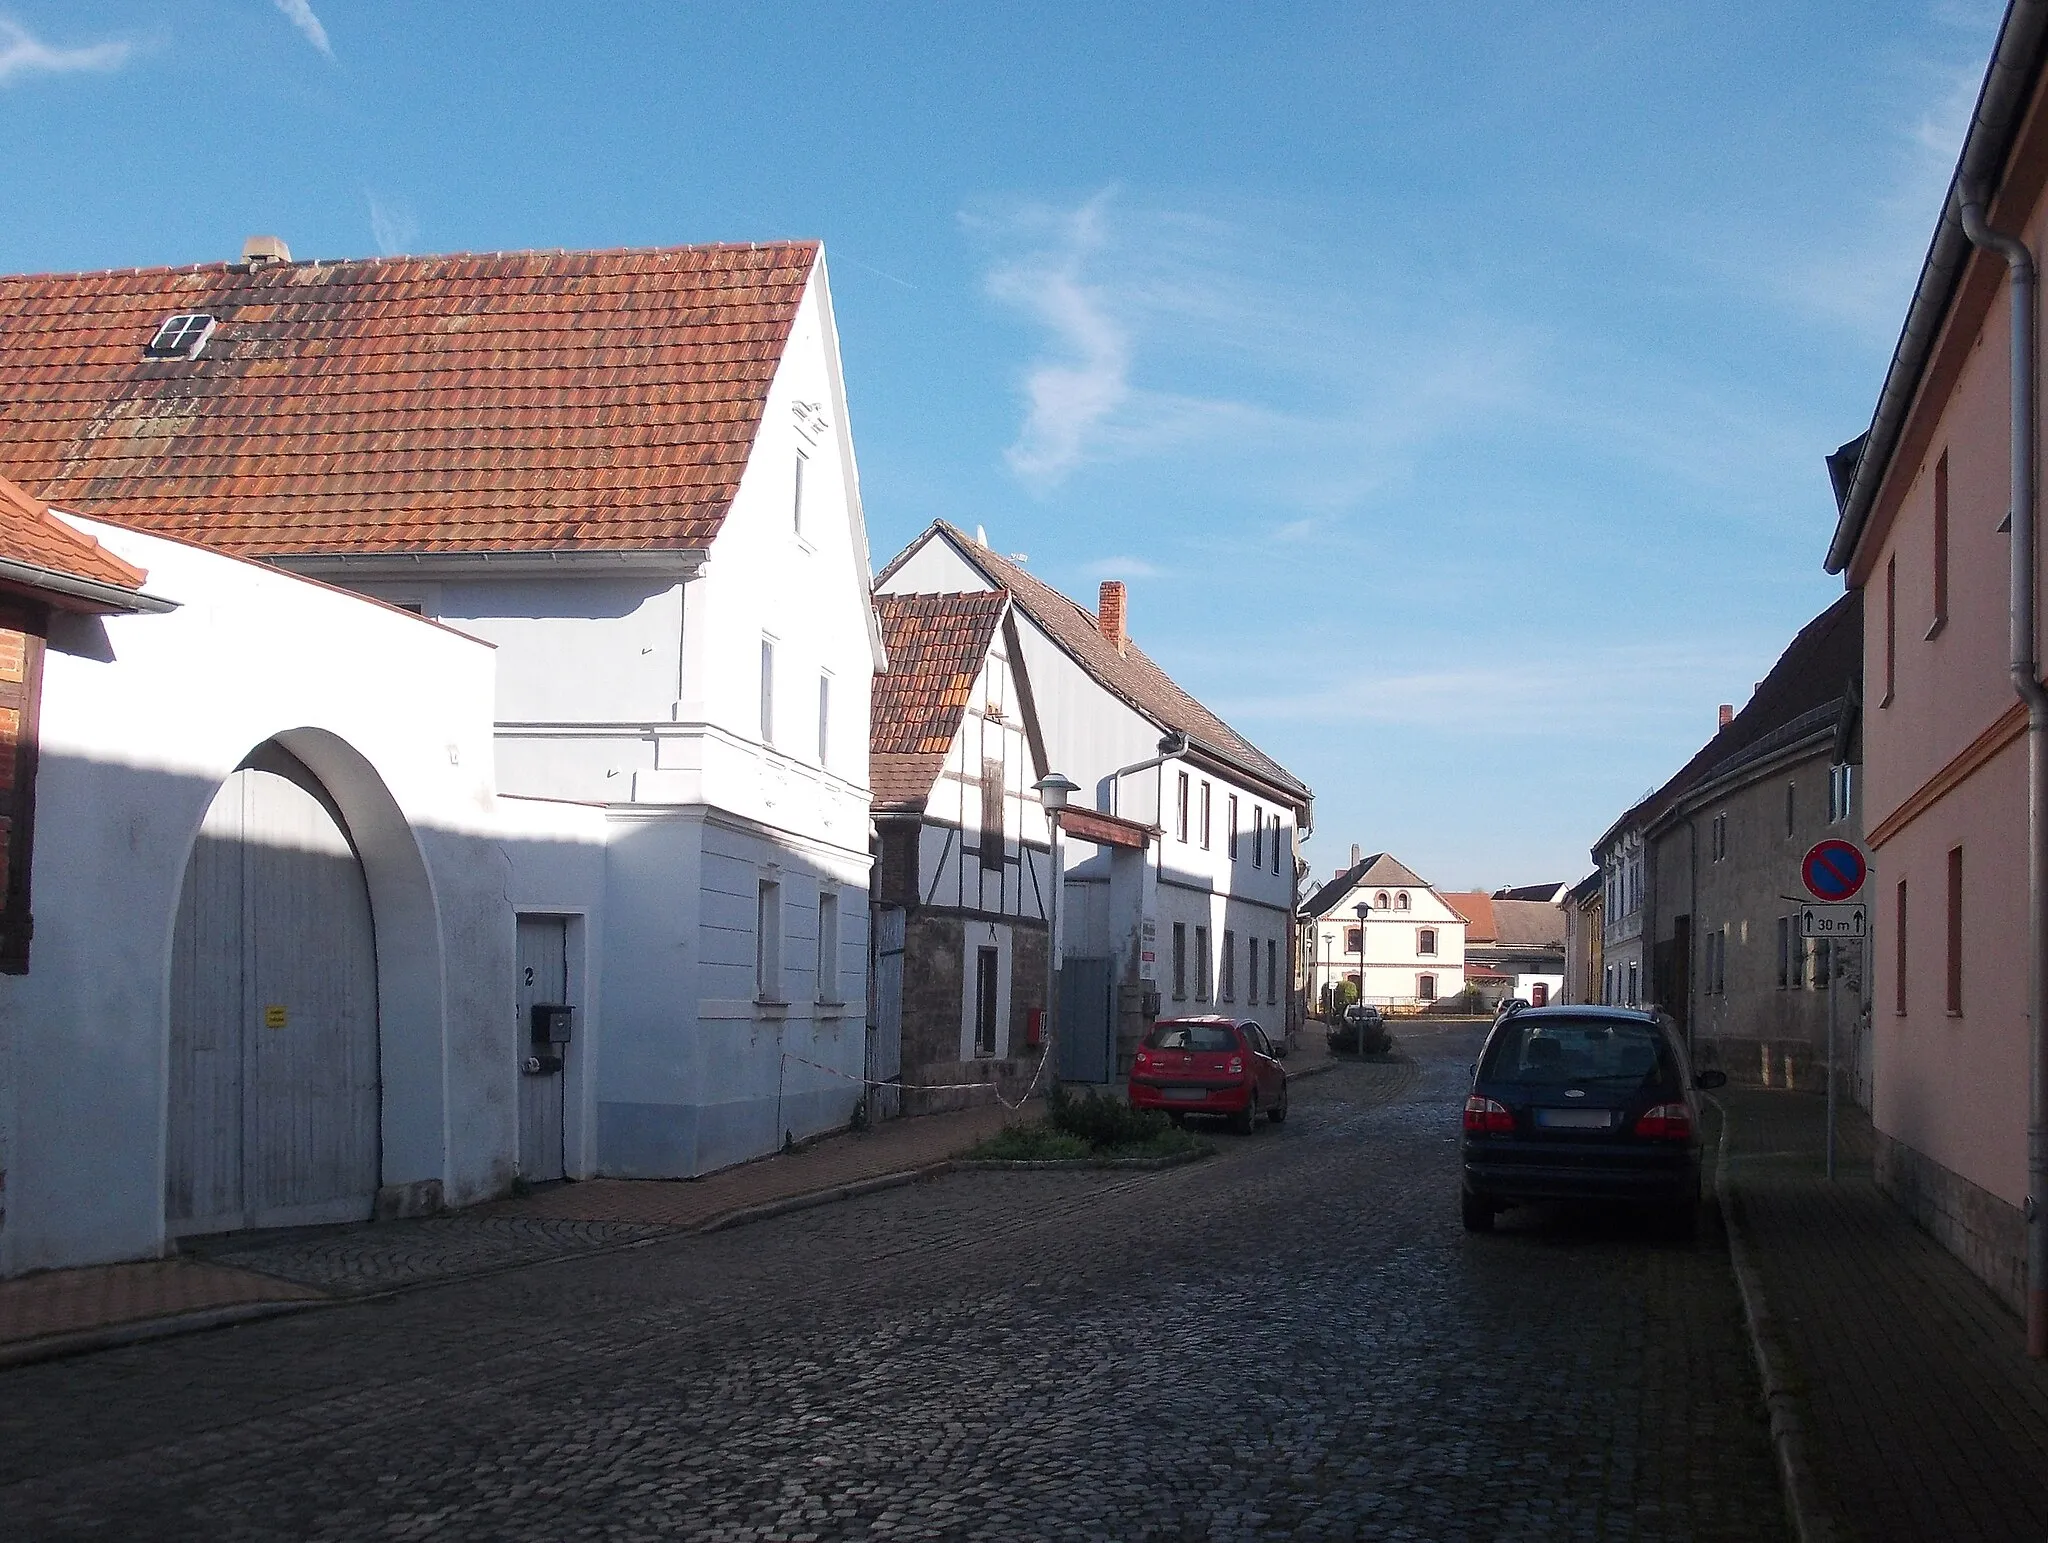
[(2026, 680)]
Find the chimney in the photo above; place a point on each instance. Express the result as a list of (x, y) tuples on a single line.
[(1355, 854), (260, 250), (1109, 613), (1727, 714)]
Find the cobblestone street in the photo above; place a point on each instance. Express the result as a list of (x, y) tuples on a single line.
[(1292, 1340)]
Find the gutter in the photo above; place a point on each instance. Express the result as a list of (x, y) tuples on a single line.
[(576, 562), (2001, 103), (1172, 746), (2026, 680), (103, 596)]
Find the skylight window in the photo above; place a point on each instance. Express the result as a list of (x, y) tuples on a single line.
[(181, 337)]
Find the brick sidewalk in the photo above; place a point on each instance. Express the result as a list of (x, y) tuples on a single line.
[(72, 1306), (1924, 1418)]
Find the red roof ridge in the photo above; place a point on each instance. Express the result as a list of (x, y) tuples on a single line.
[(816, 243)]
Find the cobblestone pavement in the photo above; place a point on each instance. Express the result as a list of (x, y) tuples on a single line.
[(1925, 1418), (1291, 1340), (351, 1261)]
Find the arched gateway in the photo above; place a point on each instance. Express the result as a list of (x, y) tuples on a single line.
[(274, 1063)]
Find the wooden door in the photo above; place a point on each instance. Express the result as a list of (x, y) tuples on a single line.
[(543, 977), (274, 1085)]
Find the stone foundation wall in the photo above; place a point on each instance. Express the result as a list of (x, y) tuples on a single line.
[(1989, 1236)]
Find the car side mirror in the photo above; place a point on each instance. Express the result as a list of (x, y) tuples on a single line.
[(1709, 1080)]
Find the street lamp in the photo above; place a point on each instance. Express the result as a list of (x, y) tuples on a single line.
[(1364, 910), (1053, 790)]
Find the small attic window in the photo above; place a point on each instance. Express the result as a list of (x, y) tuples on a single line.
[(181, 337)]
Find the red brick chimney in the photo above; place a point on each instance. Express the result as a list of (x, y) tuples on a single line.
[(1727, 714), (1109, 613)]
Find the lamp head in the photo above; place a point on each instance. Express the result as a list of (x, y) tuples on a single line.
[(1052, 790), (1362, 908)]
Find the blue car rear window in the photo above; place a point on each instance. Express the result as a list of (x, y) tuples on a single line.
[(1557, 1051), (1191, 1036)]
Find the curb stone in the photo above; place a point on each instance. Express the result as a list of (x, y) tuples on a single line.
[(1813, 1519), (57, 1347), (1138, 1164)]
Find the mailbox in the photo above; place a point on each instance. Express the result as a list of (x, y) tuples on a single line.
[(553, 1023), (1034, 1027)]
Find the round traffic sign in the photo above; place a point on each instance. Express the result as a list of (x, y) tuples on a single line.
[(1833, 870)]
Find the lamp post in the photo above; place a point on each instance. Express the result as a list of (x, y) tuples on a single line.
[(1053, 790), (1364, 910)]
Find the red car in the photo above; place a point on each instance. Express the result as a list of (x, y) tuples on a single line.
[(1210, 1065)]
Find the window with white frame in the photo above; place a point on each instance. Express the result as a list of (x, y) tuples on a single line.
[(1272, 970), (1203, 963), (1717, 841), (1205, 815), (1226, 989), (1425, 941), (767, 691), (824, 716), (1841, 792), (1258, 836), (796, 502), (1180, 808), (1276, 843), (1230, 828)]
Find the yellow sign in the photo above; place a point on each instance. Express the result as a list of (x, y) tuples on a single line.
[(274, 1016)]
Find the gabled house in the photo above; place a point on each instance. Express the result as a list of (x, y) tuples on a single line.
[(1408, 951), (1582, 929), (1185, 902), (632, 473), (962, 879)]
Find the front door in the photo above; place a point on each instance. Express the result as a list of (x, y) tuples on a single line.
[(274, 1090), (1085, 1024), (543, 978)]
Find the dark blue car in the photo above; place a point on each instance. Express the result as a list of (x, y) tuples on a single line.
[(1584, 1104)]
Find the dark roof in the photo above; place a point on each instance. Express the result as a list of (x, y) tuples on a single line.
[(1127, 674), (1530, 892), (1380, 868), (1809, 688), (517, 401), (936, 646)]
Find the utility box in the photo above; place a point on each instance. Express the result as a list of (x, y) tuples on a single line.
[(554, 1023)]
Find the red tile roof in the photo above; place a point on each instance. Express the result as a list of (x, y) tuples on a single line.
[(1477, 909), (30, 534), (1127, 673), (936, 646), (522, 401)]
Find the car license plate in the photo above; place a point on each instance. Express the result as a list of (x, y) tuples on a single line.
[(1574, 1119), (1187, 1093)]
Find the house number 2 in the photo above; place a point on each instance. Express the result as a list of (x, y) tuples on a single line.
[(529, 975)]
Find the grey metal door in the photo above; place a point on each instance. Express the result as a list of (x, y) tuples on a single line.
[(885, 1012), (1085, 1022), (543, 977), (274, 1095)]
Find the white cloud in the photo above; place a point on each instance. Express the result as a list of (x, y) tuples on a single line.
[(22, 54), (300, 14), (391, 226), (1123, 568), (1071, 395)]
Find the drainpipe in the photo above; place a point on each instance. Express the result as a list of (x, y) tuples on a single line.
[(2026, 680)]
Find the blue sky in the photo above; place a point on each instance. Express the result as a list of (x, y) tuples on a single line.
[(1449, 383)]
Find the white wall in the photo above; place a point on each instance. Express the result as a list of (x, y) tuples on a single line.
[(143, 717)]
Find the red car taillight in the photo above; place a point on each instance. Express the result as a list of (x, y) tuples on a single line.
[(1486, 1117), (1666, 1122), (1236, 1065)]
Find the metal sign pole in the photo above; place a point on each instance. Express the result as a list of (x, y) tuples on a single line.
[(1834, 979)]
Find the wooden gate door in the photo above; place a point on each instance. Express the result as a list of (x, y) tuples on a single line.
[(274, 1095), (543, 977)]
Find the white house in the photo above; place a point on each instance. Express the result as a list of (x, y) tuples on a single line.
[(1197, 919), (1408, 950), (268, 976), (632, 472), (963, 882)]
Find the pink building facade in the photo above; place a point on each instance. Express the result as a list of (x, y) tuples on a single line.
[(1924, 534)]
